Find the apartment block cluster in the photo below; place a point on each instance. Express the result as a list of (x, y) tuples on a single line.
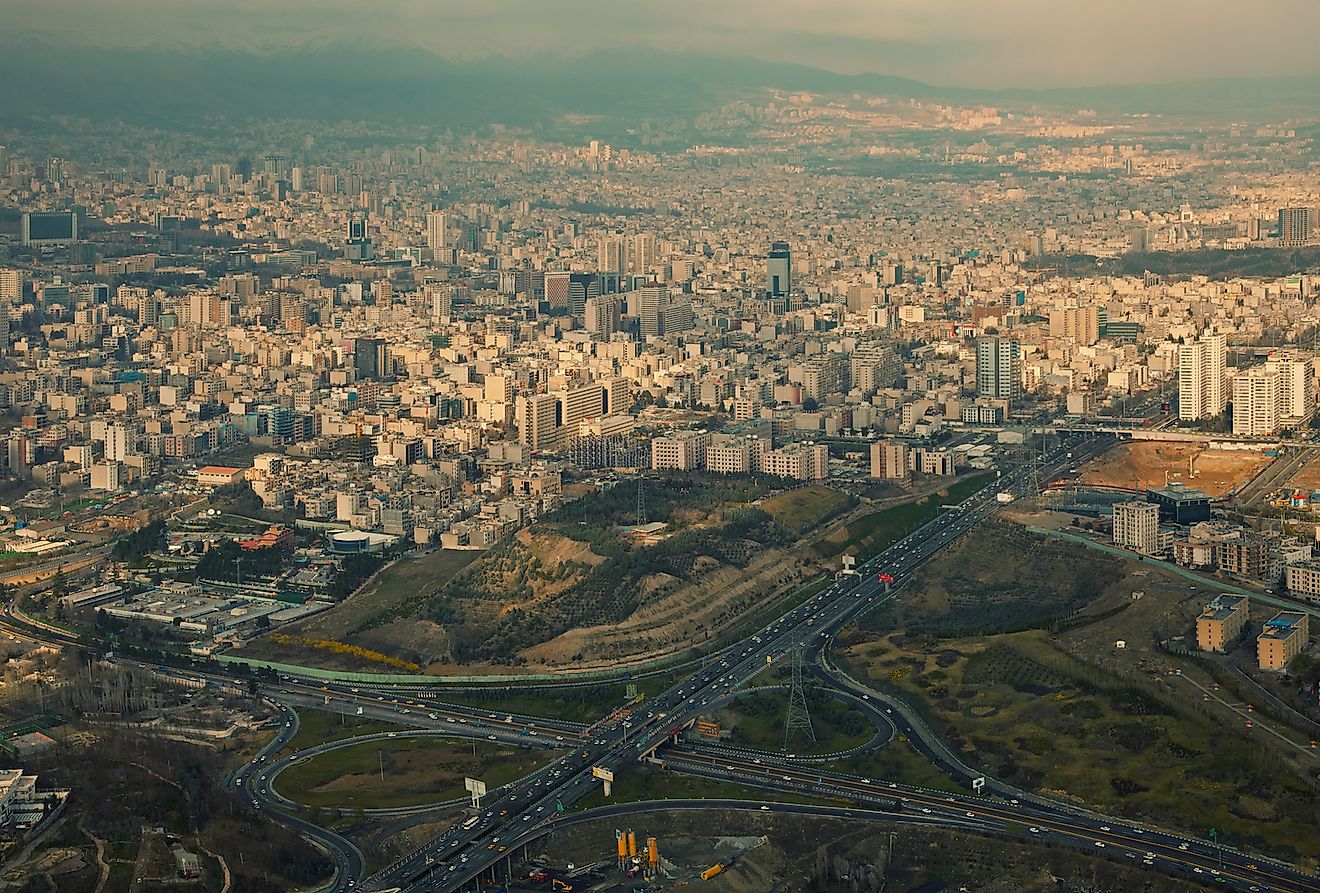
[(429, 365), (1282, 637), (1175, 522)]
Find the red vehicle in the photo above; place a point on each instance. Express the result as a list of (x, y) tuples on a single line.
[(885, 578)]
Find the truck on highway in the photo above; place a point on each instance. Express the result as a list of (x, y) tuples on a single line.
[(359, 711), (1004, 497)]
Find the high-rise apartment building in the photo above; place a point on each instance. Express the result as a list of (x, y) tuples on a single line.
[(779, 271), (1202, 392), (539, 421), (1080, 325), (823, 375), (1296, 386), (437, 230), (1137, 526), (1256, 402), (1295, 226), (889, 459), (602, 316), (873, 367), (998, 368)]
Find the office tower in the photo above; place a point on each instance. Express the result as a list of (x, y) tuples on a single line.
[(584, 401), (1138, 240), (369, 358), (779, 271), (437, 230), (1080, 325), (1137, 526), (357, 245), (571, 290), (1296, 386), (1294, 227), (1256, 402), (221, 174), (678, 316), (1201, 390), (998, 368), (49, 227), (296, 179)]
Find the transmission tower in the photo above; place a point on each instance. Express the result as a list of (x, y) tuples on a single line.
[(641, 501), (798, 719)]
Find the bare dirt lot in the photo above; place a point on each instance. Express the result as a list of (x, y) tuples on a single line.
[(1307, 478), (1144, 463)]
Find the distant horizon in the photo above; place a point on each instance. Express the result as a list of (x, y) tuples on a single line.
[(959, 44), (376, 43)]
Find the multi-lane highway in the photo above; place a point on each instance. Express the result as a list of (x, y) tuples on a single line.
[(527, 809), (465, 851)]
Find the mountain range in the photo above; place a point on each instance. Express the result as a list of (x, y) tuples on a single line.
[(375, 82)]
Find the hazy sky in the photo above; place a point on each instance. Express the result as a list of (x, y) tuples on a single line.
[(962, 42)]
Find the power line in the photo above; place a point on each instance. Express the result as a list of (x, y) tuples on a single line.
[(798, 718)]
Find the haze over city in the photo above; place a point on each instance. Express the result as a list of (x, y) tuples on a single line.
[(777, 446)]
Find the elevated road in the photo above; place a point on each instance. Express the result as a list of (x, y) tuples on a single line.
[(464, 852)]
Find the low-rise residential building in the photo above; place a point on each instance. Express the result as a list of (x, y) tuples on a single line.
[(1220, 624), (1303, 580), (1282, 639)]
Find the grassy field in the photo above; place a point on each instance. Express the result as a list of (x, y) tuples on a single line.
[(1003, 578), (757, 721), (1033, 715), (897, 761), (416, 770), (319, 727), (805, 508), (871, 534)]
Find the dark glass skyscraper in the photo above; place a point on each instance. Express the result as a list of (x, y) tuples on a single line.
[(779, 271)]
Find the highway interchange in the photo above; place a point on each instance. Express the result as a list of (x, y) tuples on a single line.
[(530, 808)]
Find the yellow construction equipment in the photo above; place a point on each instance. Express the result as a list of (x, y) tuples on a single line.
[(712, 871), (632, 843), (652, 853), (557, 884), (621, 845)]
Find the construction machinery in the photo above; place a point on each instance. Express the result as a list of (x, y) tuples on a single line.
[(715, 869)]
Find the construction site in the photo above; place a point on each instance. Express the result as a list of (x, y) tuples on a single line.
[(750, 850), (1139, 464)]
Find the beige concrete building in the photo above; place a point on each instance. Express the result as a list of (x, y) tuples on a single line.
[(1220, 624), (889, 459), (1282, 639)]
